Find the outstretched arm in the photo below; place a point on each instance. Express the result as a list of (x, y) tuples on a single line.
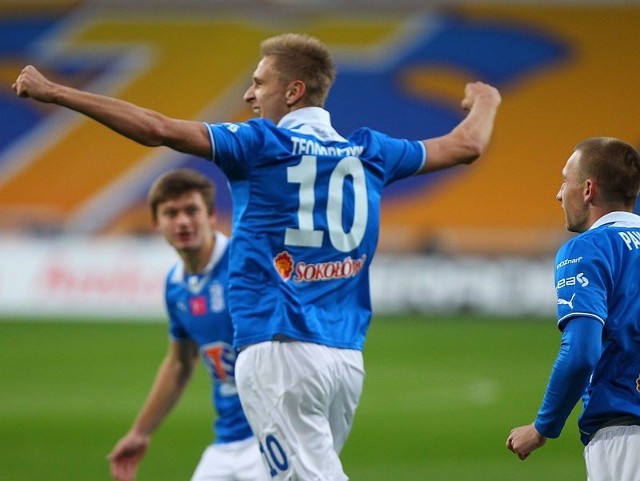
[(172, 377), (144, 126), (469, 139)]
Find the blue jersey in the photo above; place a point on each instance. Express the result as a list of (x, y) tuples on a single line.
[(306, 217), (197, 307), (598, 276)]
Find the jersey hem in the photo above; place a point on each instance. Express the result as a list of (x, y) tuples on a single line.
[(241, 344)]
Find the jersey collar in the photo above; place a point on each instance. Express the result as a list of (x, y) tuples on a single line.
[(314, 121), (218, 250), (180, 273), (620, 219)]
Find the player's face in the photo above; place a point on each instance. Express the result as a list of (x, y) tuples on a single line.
[(572, 196), (185, 223), (267, 93)]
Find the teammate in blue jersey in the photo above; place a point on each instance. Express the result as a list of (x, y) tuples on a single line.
[(597, 285), (305, 228), (182, 206)]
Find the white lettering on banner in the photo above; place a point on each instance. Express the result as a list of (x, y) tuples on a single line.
[(63, 279), (84, 277), (631, 239)]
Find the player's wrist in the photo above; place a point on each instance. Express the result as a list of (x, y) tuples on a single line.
[(140, 433), (543, 431)]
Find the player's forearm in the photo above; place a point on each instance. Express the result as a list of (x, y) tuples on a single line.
[(467, 141), (475, 130), (563, 392), (167, 390), (576, 360), (144, 126), (139, 124)]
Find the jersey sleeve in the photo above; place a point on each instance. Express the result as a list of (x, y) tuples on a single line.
[(582, 281), (579, 352), (234, 145), (402, 158)]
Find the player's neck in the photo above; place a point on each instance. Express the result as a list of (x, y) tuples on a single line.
[(196, 261)]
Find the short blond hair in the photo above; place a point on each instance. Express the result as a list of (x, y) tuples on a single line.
[(303, 57)]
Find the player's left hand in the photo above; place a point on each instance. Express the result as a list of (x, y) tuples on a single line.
[(475, 90), (31, 83), (525, 439)]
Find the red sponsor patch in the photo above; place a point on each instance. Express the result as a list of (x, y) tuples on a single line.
[(198, 306)]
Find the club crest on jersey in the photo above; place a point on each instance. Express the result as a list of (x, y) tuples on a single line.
[(638, 384), (322, 271), (284, 265)]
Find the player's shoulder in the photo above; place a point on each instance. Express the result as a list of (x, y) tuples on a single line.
[(250, 126), (175, 274), (366, 134), (259, 123), (589, 246), (220, 256), (610, 236), (581, 241), (372, 141), (375, 138)]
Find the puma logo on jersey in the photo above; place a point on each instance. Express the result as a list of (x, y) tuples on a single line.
[(565, 302)]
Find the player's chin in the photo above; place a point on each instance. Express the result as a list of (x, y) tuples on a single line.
[(184, 243)]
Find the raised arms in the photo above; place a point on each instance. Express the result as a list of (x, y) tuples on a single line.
[(147, 127)]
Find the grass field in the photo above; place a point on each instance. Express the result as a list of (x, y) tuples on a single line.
[(439, 400)]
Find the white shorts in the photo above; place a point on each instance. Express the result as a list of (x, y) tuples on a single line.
[(235, 461), (614, 454), (300, 399)]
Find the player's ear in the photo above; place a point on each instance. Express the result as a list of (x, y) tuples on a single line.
[(589, 191), (295, 91)]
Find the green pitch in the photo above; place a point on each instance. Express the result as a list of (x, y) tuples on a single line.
[(439, 400)]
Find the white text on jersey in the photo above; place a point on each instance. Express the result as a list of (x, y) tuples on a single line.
[(631, 239), (302, 146)]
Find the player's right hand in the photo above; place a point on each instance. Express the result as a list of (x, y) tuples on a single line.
[(524, 440), (126, 456)]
